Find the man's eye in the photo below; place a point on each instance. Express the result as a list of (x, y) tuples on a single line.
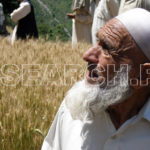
[(105, 45)]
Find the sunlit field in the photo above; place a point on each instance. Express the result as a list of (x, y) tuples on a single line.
[(34, 78)]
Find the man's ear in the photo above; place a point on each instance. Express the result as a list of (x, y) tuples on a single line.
[(145, 74)]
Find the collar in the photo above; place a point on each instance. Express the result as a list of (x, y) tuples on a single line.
[(143, 114), (145, 111)]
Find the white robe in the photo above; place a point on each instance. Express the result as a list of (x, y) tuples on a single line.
[(106, 10), (81, 25), (130, 4), (99, 134)]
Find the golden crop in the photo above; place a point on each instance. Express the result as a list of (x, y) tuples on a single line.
[(34, 77)]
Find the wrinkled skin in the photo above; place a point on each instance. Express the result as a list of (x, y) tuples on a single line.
[(116, 46)]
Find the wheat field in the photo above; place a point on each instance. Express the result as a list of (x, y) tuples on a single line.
[(34, 78)]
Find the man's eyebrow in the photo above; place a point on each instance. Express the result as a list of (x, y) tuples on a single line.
[(105, 44), (102, 40)]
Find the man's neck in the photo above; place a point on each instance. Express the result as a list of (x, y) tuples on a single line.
[(121, 112)]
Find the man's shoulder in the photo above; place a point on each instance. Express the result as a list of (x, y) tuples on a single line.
[(62, 110), (25, 3), (62, 107), (145, 111)]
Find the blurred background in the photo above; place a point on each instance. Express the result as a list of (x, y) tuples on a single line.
[(50, 16)]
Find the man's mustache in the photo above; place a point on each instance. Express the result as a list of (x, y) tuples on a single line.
[(91, 66)]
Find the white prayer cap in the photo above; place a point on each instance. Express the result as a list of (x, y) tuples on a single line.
[(137, 22)]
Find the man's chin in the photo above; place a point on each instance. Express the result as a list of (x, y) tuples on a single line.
[(78, 98), (87, 98)]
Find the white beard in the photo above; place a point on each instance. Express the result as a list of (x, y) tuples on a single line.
[(85, 100)]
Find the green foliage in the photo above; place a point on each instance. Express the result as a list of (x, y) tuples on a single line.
[(47, 25)]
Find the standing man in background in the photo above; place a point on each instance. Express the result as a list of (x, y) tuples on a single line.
[(130, 4), (82, 18), (25, 19), (106, 10)]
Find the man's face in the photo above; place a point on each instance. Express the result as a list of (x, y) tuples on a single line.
[(109, 81), (112, 63), (113, 49)]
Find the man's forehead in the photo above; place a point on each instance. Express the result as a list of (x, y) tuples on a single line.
[(113, 31), (108, 28), (115, 34)]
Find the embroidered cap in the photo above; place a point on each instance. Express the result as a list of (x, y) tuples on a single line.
[(137, 22)]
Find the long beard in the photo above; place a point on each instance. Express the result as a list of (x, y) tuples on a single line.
[(85, 101)]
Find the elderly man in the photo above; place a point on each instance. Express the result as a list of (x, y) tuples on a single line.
[(110, 109), (25, 19)]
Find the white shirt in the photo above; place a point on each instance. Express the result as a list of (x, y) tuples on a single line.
[(100, 134), (23, 10), (19, 13)]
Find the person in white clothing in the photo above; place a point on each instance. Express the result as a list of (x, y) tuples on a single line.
[(130, 4), (105, 10), (82, 18), (110, 108), (25, 19)]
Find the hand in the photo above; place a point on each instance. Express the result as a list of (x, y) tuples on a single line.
[(71, 15)]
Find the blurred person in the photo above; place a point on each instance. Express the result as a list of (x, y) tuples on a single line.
[(110, 108), (25, 19), (3, 30), (130, 4), (82, 18), (106, 10)]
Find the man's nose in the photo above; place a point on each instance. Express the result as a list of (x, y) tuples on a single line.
[(92, 54)]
